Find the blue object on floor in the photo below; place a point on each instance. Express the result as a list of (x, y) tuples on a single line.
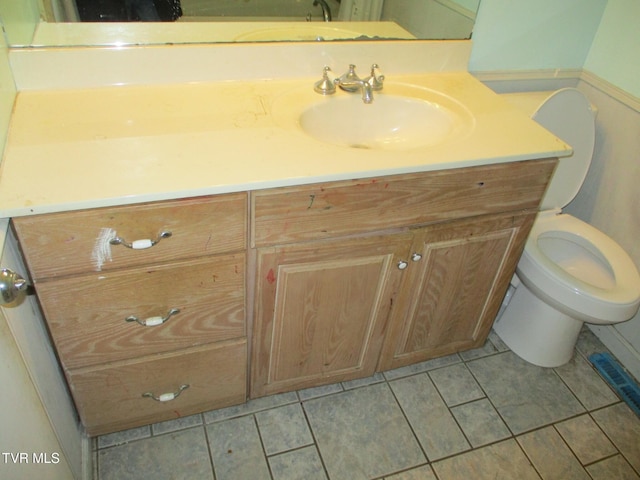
[(620, 380)]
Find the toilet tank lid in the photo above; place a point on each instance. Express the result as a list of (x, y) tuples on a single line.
[(569, 116)]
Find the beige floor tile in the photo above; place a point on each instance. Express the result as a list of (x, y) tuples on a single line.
[(456, 384), (586, 384), (503, 460), (586, 439), (623, 428), (526, 396), (421, 473), (551, 456), (431, 420), (362, 434), (179, 455), (236, 450), (614, 468), (299, 464), (480, 422), (283, 428)]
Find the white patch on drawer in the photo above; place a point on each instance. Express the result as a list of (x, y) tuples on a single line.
[(102, 248)]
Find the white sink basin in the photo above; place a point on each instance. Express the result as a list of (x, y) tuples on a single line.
[(401, 117)]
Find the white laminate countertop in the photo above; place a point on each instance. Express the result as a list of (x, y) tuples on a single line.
[(85, 148)]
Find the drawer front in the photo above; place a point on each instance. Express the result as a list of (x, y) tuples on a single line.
[(295, 214), (110, 398), (60, 244), (87, 313)]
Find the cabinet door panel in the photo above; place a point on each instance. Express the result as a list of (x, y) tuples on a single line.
[(456, 289), (321, 311)]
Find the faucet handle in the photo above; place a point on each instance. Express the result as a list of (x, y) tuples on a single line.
[(350, 76), (376, 78), (327, 84)]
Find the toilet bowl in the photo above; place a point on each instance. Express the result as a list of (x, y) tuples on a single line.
[(569, 272)]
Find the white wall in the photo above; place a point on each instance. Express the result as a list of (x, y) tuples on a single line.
[(435, 20), (7, 92), (19, 18), (531, 35), (615, 51)]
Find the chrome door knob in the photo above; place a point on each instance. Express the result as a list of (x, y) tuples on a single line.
[(11, 286)]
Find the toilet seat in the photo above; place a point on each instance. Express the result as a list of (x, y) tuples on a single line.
[(568, 115), (612, 297)]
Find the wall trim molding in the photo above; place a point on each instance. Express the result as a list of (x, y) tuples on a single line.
[(610, 89), (519, 75), (560, 77)]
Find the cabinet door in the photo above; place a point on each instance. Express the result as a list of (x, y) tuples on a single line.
[(321, 310), (452, 294)]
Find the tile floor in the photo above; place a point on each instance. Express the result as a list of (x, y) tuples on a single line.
[(482, 414)]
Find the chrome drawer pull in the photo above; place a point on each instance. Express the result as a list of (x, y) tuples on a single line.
[(153, 321), (139, 244), (166, 397)]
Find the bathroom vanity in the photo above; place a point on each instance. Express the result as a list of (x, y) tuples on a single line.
[(203, 259)]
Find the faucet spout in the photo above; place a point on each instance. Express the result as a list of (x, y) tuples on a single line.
[(367, 92), (350, 82), (326, 10)]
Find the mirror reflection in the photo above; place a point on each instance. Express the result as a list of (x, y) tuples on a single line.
[(119, 22)]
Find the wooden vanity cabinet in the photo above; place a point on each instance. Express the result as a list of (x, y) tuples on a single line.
[(107, 318), (354, 277), (346, 278)]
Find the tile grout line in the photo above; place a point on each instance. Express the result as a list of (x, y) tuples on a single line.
[(264, 450), (206, 439), (404, 415), (608, 437), (313, 435)]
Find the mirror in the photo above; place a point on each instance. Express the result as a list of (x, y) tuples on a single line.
[(149, 22)]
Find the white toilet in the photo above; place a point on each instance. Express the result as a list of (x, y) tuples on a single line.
[(570, 272)]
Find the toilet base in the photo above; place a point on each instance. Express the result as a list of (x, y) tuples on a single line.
[(537, 332)]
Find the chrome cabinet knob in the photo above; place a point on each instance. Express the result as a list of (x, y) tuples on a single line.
[(402, 265), (416, 257)]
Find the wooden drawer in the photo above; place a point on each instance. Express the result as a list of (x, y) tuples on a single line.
[(294, 214), (60, 244), (110, 398), (87, 313)]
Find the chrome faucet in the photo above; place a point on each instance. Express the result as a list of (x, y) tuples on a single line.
[(350, 82), (326, 10)]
